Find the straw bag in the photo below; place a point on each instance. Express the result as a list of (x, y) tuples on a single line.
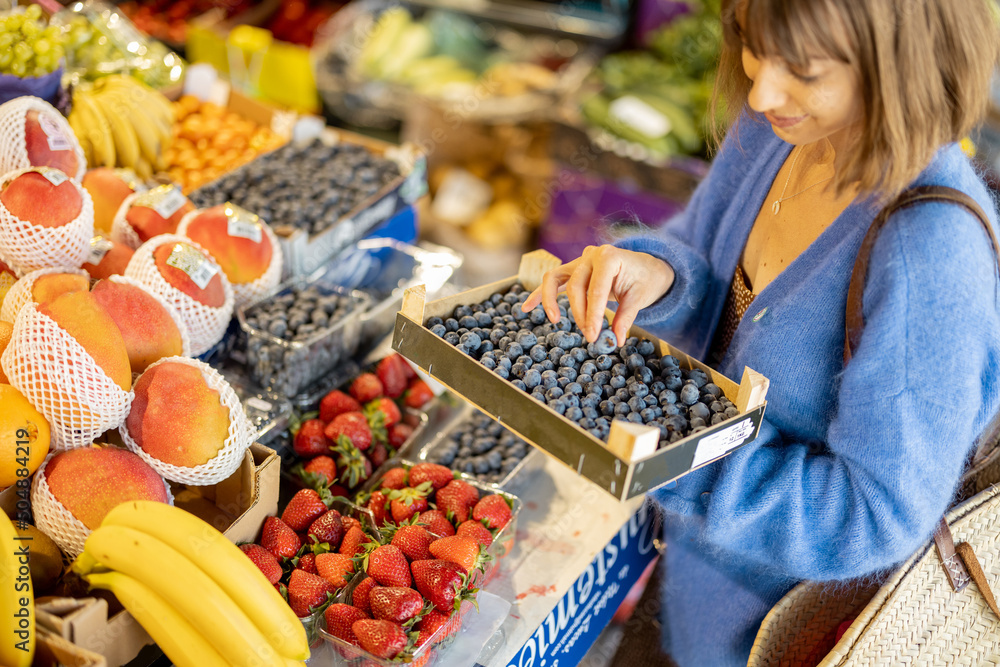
[(925, 612)]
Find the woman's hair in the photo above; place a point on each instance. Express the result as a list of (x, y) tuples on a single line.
[(924, 68)]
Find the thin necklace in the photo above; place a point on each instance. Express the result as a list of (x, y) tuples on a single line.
[(776, 206)]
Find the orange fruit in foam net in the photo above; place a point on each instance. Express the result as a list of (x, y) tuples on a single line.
[(24, 436)]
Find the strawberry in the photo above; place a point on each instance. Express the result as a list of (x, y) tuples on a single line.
[(433, 621), (307, 591), (387, 565), (336, 403), (366, 387), (360, 596), (338, 490), (417, 394), (383, 639), (442, 583), (307, 562), (310, 441), (493, 511), (476, 531), (353, 426), (394, 603), (350, 522), (436, 522), (413, 541), (327, 529), (353, 541), (387, 408), (394, 478), (264, 560), (353, 465), (340, 618), (304, 508), (279, 539), (404, 503), (392, 372), (461, 550), (457, 497), (335, 568), (398, 434), (321, 471), (378, 454), (376, 504), (438, 475)]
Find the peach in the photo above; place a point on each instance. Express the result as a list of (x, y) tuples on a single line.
[(214, 294), (176, 417), (149, 331), (147, 221), (114, 257), (81, 316), (91, 481), (108, 188), (48, 144), (243, 252), (33, 198), (52, 285)]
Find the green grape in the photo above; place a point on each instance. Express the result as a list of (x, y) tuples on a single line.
[(41, 71), (30, 29), (6, 40), (22, 51), (33, 12), (18, 68), (6, 58), (42, 46)]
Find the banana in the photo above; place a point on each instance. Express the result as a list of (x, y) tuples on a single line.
[(150, 140), (82, 136), (175, 636), (183, 586), (98, 130), (17, 602), (221, 560), (143, 169), (116, 111), (143, 97)]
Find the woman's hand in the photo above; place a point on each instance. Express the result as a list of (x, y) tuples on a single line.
[(633, 279)]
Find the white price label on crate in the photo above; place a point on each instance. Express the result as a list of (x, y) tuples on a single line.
[(640, 117), (99, 247), (188, 259), (722, 442), (54, 176), (167, 200), (258, 404), (54, 134), (243, 223)]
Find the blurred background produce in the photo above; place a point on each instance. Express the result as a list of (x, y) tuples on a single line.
[(167, 20), (28, 45)]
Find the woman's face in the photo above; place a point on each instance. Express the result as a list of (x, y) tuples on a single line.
[(823, 102)]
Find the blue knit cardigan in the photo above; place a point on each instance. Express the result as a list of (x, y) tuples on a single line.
[(854, 465)]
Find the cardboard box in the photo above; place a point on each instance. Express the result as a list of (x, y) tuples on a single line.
[(237, 506), (629, 464)]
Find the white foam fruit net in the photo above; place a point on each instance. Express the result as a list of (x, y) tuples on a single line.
[(13, 148), (60, 378), (53, 519), (245, 293), (20, 292), (174, 315), (206, 325), (225, 463), (25, 246), (121, 231)]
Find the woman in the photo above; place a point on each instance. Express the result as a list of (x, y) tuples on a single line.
[(840, 105)]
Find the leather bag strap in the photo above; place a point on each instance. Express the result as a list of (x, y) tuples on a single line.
[(960, 563)]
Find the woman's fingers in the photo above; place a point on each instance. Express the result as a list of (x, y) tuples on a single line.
[(576, 290), (548, 291), (628, 309), (602, 279)]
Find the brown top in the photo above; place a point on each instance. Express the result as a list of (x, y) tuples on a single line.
[(739, 300)]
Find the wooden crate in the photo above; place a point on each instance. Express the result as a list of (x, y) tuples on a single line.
[(629, 463)]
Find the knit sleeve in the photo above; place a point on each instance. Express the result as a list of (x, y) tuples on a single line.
[(922, 383)]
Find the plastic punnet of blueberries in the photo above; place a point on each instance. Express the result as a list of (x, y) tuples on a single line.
[(588, 383), (308, 187), (481, 447)]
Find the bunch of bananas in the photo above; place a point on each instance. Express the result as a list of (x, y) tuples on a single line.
[(121, 122), (196, 594), (17, 630)]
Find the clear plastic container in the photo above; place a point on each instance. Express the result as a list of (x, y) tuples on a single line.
[(288, 367)]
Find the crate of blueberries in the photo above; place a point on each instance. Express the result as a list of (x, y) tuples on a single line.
[(300, 333), (322, 195), (630, 419)]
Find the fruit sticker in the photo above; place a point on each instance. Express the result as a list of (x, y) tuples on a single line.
[(199, 268), (99, 247), (243, 223), (53, 176), (165, 200), (54, 135)]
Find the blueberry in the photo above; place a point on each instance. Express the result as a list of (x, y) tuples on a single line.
[(653, 364), (468, 322), (542, 331), (489, 362), (623, 394), (673, 382), (514, 351), (553, 393), (622, 409), (607, 408), (730, 413), (538, 353), (605, 362), (635, 361), (639, 390), (617, 381), (451, 324), (526, 360), (484, 319), (657, 387), (567, 372), (538, 394), (547, 365), (676, 423), (518, 370), (549, 379), (697, 424), (669, 361), (451, 338), (504, 362), (526, 339), (439, 330), (482, 445), (574, 414), (713, 389), (559, 339), (471, 341), (650, 401), (494, 459), (699, 377), (644, 374), (574, 388), (634, 417), (716, 407), (567, 361), (510, 298), (689, 394), (503, 309), (502, 372), (558, 405), (579, 354), (590, 412), (597, 433), (434, 321), (519, 385), (555, 354), (636, 404), (563, 381), (670, 409), (626, 352), (648, 415), (699, 410), (572, 400), (588, 368), (519, 315), (619, 369), (584, 379), (532, 378), (462, 311), (496, 298), (485, 346), (606, 342), (592, 388), (538, 315)]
